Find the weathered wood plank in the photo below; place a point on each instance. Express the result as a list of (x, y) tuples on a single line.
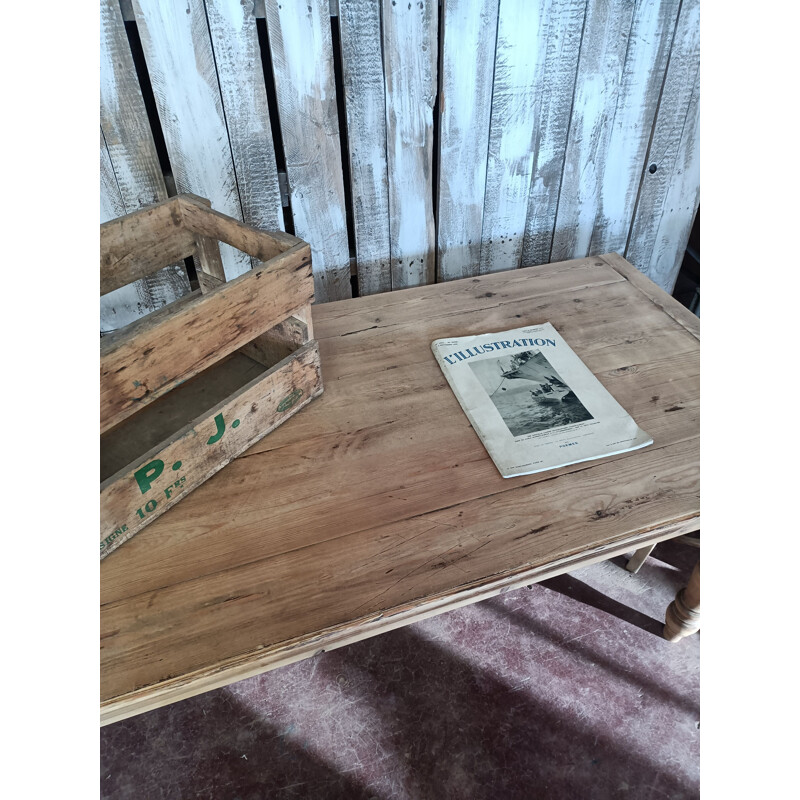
[(140, 243), (137, 368), (649, 44), (564, 31), (123, 117), (465, 104), (131, 157), (244, 97), (621, 70), (518, 70), (302, 60), (180, 61), (365, 106), (111, 205), (685, 318), (357, 577), (410, 55), (668, 197), (251, 663), (262, 245), (680, 204)]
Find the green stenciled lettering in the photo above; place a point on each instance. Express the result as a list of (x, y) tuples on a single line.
[(148, 473), (290, 400), (220, 429)]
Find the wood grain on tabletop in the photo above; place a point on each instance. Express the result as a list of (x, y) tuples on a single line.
[(405, 426), (375, 494), (175, 630)]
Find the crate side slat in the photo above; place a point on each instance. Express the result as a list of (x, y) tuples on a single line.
[(136, 369), (193, 454), (201, 219), (141, 243)]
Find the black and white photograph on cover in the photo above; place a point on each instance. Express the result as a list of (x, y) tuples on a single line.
[(529, 394)]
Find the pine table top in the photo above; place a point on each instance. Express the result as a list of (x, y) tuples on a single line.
[(377, 505)]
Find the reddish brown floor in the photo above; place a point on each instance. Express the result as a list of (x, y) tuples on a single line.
[(564, 690)]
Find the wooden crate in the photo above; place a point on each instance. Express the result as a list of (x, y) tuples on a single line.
[(188, 388)]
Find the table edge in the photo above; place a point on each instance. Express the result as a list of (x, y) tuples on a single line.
[(284, 653)]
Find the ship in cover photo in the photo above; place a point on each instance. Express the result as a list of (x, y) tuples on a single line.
[(528, 393)]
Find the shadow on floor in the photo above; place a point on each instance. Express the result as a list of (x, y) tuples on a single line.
[(555, 692), (214, 746), (577, 590)]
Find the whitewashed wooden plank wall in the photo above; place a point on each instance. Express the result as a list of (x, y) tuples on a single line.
[(465, 112), (180, 60), (365, 104), (518, 71), (620, 73), (302, 58), (130, 175), (417, 141), (563, 37), (409, 63), (244, 99), (670, 189)]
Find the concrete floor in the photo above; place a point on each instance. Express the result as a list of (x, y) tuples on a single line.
[(564, 690)]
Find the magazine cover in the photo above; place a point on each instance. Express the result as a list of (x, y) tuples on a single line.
[(533, 403)]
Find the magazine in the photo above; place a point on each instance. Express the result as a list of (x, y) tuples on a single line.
[(533, 403)]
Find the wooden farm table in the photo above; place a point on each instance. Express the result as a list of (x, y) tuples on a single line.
[(377, 505)]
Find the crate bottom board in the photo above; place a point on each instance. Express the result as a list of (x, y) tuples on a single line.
[(153, 459)]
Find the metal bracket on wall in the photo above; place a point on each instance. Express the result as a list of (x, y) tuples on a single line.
[(283, 184), (126, 7)]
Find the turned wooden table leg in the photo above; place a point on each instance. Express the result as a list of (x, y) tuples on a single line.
[(683, 613)]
